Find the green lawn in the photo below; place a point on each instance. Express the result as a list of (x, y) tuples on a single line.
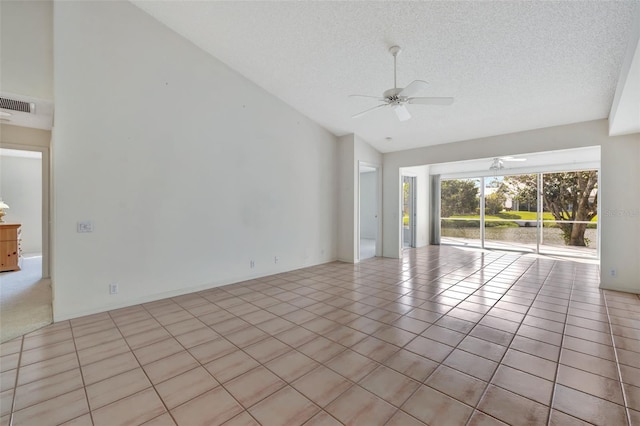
[(508, 216), (501, 217), (513, 216)]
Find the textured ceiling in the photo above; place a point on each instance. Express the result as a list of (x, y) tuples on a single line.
[(511, 66)]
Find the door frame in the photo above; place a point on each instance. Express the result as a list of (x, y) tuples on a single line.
[(378, 171), (413, 214), (46, 200)]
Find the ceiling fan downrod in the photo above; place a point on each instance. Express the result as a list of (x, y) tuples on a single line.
[(395, 50)]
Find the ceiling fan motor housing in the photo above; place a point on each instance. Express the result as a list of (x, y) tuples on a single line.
[(392, 94)]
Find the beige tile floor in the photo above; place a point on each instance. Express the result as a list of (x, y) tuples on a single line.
[(442, 337)]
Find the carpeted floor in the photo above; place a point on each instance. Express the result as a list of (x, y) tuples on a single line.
[(25, 299)]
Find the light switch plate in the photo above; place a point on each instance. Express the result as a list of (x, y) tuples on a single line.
[(85, 226)]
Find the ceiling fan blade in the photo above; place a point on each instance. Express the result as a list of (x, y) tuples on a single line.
[(513, 159), (401, 111), (367, 96), (414, 87), (360, 114), (430, 101)]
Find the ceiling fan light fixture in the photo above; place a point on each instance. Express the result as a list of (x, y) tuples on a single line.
[(498, 162), (401, 111), (496, 165)]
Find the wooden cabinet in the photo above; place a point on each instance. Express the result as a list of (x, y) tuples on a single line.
[(9, 247)]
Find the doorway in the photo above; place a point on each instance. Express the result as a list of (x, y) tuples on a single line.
[(369, 202), (25, 292), (408, 211)]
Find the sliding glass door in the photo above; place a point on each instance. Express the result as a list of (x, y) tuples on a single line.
[(552, 213)]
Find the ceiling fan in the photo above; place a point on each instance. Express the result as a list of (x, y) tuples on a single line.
[(498, 162), (398, 97)]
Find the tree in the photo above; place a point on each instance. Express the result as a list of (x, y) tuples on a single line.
[(523, 190), (494, 203), (569, 197), (405, 203), (458, 197)]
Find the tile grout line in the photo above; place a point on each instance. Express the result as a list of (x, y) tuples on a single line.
[(163, 326), (499, 363), (84, 385), (153, 385), (434, 323), (336, 298), (139, 366), (321, 364), (287, 384), (423, 382), (369, 335), (615, 354), (185, 349), (564, 329), (334, 307), (220, 384), (15, 388)]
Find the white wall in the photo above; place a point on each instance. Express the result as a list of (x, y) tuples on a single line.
[(26, 48), (347, 200), (21, 189), (620, 214), (620, 171), (368, 205), (187, 170)]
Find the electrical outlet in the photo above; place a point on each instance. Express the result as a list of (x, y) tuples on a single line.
[(275, 259), (613, 272), (252, 264), (113, 288)]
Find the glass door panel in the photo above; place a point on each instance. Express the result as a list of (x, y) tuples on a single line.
[(510, 214), (408, 211), (570, 221), (460, 212)]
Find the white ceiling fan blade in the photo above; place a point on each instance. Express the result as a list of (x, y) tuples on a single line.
[(513, 159), (414, 87), (360, 114), (401, 111), (430, 101), (367, 96)]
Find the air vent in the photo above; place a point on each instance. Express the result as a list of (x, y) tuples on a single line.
[(15, 105)]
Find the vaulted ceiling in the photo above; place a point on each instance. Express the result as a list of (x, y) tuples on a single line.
[(511, 66)]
